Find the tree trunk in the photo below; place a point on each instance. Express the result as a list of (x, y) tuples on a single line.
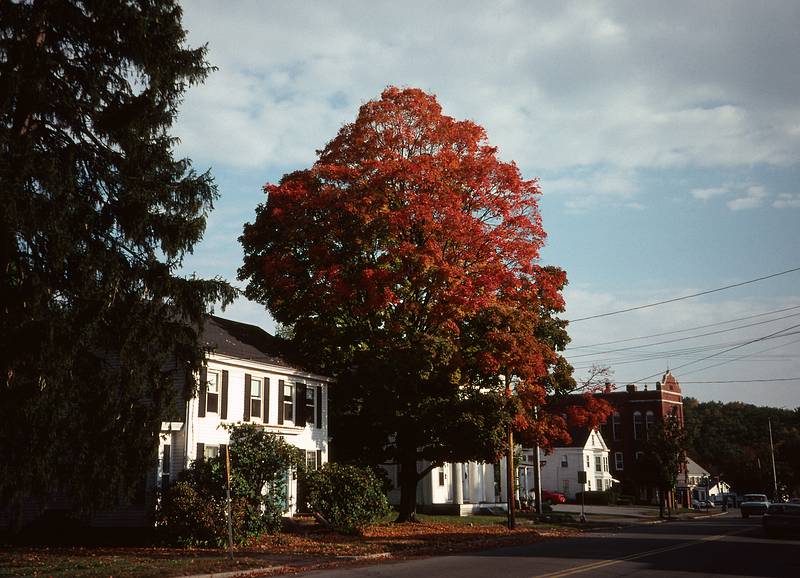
[(408, 488)]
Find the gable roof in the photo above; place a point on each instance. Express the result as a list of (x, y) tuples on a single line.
[(580, 437), (245, 341), (695, 469)]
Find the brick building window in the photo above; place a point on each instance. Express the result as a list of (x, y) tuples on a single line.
[(619, 462), (616, 426), (649, 421), (637, 425)]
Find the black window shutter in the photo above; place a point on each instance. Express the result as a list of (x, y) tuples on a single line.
[(201, 449), (265, 413), (247, 397), (223, 413), (201, 398), (319, 458), (319, 407), (280, 401), (166, 460), (300, 409)]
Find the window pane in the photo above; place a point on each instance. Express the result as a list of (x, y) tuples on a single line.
[(255, 388), (212, 402), (213, 382)]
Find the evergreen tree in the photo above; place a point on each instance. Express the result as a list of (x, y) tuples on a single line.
[(97, 215)]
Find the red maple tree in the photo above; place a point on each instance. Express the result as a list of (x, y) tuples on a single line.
[(405, 263)]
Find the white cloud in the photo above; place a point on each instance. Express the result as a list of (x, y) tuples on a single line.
[(586, 189), (709, 193), (556, 85), (787, 201), (755, 197)]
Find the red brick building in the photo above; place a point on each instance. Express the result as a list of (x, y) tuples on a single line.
[(636, 410)]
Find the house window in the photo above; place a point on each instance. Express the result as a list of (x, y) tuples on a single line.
[(649, 421), (605, 463), (639, 455), (564, 461), (619, 463), (588, 484), (312, 460), (441, 476), (565, 487), (637, 425), (588, 463), (165, 468), (212, 392), (311, 404), (256, 393), (210, 452), (598, 464), (598, 483), (288, 405), (616, 425)]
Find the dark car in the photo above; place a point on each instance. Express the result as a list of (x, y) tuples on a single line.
[(781, 519), (754, 505), (553, 497)]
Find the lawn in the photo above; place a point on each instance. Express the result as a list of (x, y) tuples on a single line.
[(309, 546)]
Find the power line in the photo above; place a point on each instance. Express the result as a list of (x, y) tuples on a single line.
[(740, 357), (642, 356), (743, 380), (573, 347), (685, 296), (683, 338), (725, 351)]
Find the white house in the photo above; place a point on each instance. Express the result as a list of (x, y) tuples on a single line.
[(587, 452), (456, 488), (246, 380)]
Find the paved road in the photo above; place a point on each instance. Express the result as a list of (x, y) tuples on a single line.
[(718, 546)]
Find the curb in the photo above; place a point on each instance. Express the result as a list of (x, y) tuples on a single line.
[(242, 573), (376, 556)]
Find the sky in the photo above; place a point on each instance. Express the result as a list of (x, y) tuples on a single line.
[(665, 137)]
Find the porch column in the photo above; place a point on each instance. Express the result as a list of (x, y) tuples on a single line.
[(458, 483), (487, 477)]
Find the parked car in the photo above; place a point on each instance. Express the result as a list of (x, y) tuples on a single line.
[(754, 504), (702, 504), (782, 519), (553, 497), (794, 501)]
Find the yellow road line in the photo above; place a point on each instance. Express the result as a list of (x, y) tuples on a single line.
[(605, 563)]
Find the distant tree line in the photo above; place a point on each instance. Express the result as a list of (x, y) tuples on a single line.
[(732, 440)]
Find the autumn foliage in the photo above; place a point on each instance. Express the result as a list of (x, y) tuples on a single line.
[(405, 262)]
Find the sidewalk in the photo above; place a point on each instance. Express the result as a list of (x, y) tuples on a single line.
[(615, 511)]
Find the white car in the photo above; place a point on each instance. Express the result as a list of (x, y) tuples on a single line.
[(702, 504)]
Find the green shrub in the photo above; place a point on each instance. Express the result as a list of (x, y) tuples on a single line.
[(347, 497), (193, 511)]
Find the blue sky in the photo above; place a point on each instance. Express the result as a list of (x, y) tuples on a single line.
[(666, 137)]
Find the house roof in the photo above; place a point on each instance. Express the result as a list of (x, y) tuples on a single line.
[(695, 469), (245, 341)]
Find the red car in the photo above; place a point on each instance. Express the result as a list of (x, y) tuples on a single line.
[(553, 497)]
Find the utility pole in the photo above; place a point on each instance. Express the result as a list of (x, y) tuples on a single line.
[(510, 479), (538, 471), (772, 453), (228, 499)]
